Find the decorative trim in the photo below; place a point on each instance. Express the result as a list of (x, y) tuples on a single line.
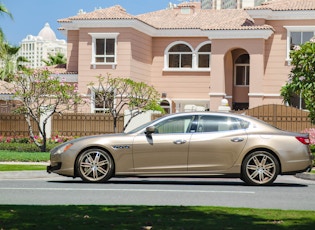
[(264, 95), (217, 94), (206, 70), (240, 34), (154, 32)]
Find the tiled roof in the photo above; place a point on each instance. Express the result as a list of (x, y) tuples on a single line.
[(59, 69), (286, 5), (229, 19), (114, 12)]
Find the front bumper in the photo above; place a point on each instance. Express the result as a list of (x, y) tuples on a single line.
[(53, 168)]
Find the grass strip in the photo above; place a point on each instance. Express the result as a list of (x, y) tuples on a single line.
[(6, 155), (147, 217), (15, 167)]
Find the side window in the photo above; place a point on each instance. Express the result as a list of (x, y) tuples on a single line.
[(242, 70), (204, 56), (297, 35), (104, 46), (220, 124), (102, 101), (105, 50), (298, 38), (175, 125)]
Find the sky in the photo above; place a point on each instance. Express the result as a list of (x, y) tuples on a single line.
[(30, 16)]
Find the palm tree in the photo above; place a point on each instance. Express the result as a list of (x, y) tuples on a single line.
[(10, 61), (55, 60), (3, 10), (7, 52)]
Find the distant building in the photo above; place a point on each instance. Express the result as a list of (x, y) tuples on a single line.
[(230, 4), (37, 48)]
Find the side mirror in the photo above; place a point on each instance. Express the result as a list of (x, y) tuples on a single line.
[(149, 130)]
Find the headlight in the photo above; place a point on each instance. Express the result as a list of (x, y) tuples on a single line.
[(61, 148)]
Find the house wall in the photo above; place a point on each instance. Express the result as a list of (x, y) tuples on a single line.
[(277, 68), (134, 56), (183, 87), (72, 50)]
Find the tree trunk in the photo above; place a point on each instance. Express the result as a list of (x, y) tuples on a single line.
[(115, 124)]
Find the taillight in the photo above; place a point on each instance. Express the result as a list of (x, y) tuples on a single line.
[(303, 140)]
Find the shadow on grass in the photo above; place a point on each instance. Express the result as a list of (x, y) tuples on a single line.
[(145, 217)]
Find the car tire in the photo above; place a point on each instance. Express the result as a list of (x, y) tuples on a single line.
[(95, 165), (260, 168)]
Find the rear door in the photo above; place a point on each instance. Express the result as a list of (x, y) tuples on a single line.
[(217, 143)]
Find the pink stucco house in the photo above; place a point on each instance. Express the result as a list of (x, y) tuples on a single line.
[(193, 57)]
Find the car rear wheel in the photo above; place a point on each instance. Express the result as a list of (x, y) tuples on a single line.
[(95, 165), (260, 168)]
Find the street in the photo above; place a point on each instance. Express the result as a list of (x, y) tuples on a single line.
[(287, 192)]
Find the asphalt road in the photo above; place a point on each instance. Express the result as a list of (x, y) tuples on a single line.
[(288, 192)]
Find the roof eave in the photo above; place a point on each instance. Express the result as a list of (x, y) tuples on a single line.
[(155, 32), (241, 34), (282, 15)]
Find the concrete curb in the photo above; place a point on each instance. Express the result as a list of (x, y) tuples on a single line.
[(306, 176), (26, 174)]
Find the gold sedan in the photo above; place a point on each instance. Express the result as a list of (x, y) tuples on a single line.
[(188, 144)]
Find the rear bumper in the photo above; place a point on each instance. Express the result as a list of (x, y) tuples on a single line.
[(307, 169)]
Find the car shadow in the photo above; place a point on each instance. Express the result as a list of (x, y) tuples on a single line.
[(175, 181)]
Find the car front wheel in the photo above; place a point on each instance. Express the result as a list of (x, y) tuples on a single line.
[(95, 165), (260, 168)]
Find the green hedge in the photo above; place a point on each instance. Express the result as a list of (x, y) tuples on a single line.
[(24, 147)]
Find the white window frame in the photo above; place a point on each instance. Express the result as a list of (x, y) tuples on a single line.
[(195, 56), (103, 36), (295, 29), (93, 107), (247, 76)]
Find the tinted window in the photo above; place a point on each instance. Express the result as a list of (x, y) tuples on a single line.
[(220, 123), (175, 125)]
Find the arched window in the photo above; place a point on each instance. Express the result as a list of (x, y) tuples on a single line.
[(180, 56), (242, 70), (204, 56)]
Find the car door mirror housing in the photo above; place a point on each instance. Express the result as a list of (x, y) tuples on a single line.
[(149, 130)]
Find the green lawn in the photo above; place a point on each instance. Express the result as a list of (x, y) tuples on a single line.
[(6, 155), (14, 156), (144, 217), (14, 167)]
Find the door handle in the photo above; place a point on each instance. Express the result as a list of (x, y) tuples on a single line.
[(237, 139), (179, 142)]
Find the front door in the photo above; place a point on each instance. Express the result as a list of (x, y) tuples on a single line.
[(166, 150)]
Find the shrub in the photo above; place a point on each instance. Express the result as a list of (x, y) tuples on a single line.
[(25, 144)]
